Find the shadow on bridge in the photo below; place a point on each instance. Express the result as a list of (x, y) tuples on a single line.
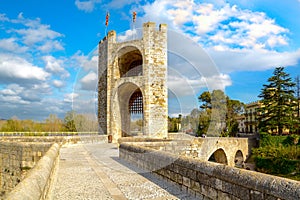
[(169, 187)]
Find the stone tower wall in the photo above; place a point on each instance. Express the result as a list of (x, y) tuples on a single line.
[(115, 91), (102, 87), (155, 54)]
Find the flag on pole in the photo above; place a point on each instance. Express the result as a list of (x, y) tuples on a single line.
[(107, 19), (133, 16)]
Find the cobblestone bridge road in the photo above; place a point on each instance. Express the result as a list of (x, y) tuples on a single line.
[(94, 171)]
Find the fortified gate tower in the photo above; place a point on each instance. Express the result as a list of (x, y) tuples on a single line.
[(132, 79)]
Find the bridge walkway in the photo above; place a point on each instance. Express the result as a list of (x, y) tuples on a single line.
[(94, 171)]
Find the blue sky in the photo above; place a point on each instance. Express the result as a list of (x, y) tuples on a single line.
[(47, 49)]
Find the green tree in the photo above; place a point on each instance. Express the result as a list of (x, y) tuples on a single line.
[(53, 124), (69, 121), (234, 108), (174, 123), (205, 99), (278, 102), (85, 122), (215, 104), (297, 92), (204, 120), (12, 125), (218, 114)]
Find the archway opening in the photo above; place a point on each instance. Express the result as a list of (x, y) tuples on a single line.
[(239, 159), (130, 62), (219, 156), (131, 110), (136, 111)]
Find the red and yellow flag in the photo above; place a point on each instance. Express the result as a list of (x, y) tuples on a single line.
[(107, 19), (133, 16)]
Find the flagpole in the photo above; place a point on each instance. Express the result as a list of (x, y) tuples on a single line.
[(106, 22), (133, 24)]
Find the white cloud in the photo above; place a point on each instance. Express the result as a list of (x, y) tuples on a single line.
[(183, 86), (25, 94), (87, 6), (158, 12), (3, 17), (235, 38), (11, 45), (36, 110), (116, 4), (49, 46), (252, 60), (12, 89), (207, 18), (89, 62), (89, 82), (69, 98), (58, 83), (129, 35), (218, 25), (55, 66), (34, 35), (181, 12), (36, 92), (14, 68), (13, 100), (30, 75), (37, 32)]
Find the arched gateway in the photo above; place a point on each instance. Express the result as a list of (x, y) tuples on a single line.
[(132, 79)]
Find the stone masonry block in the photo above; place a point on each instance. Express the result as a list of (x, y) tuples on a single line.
[(270, 197), (255, 195), (195, 186), (209, 192), (179, 178), (235, 190), (225, 196), (186, 181)]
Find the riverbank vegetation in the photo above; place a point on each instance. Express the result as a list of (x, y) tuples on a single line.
[(71, 123), (278, 155)]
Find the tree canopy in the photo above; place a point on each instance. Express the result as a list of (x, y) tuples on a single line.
[(218, 114), (72, 122), (277, 112)]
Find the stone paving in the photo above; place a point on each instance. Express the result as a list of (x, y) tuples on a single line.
[(94, 171)]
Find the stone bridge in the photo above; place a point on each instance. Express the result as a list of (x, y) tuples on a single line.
[(135, 171), (229, 151)]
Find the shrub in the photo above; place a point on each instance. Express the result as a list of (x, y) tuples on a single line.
[(291, 140), (277, 165), (278, 154), (267, 140)]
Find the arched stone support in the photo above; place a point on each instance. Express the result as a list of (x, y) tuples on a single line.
[(220, 147)]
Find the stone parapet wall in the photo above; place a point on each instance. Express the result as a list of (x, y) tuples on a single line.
[(207, 180), (141, 139), (178, 147), (39, 181), (200, 148), (15, 158), (18, 154), (58, 139)]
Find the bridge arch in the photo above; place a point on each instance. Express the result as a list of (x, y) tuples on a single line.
[(227, 150), (219, 156), (239, 159)]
